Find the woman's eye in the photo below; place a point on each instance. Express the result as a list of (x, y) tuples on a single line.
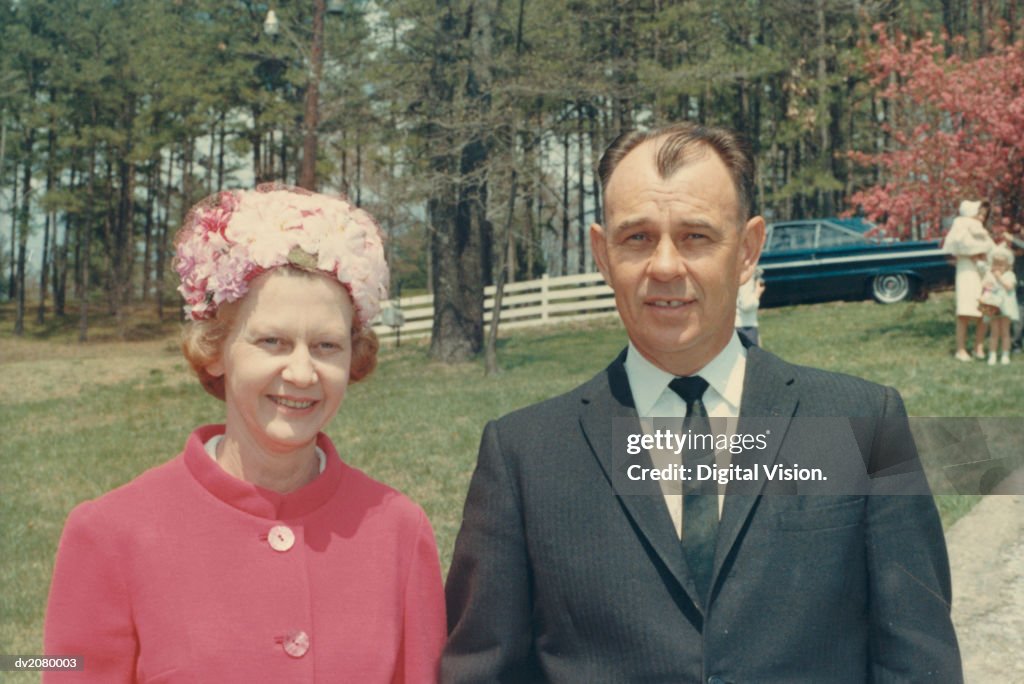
[(331, 346)]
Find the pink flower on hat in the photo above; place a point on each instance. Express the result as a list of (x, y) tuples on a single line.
[(235, 235)]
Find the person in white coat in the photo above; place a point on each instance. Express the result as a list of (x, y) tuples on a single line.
[(970, 243)]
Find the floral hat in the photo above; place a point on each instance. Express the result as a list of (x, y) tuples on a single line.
[(231, 237)]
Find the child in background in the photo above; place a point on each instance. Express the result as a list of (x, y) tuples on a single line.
[(748, 299), (998, 301)]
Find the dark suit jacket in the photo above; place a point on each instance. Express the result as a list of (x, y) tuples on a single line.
[(558, 577)]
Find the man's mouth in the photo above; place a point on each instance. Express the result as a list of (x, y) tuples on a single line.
[(669, 303)]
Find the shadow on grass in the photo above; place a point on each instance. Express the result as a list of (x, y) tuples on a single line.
[(928, 328), (139, 323), (583, 349), (910, 322)]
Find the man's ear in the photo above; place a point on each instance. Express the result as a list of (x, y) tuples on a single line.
[(599, 248), (751, 244)]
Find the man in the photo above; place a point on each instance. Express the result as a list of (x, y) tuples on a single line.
[(559, 576)]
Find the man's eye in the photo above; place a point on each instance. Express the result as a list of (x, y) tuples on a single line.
[(637, 237)]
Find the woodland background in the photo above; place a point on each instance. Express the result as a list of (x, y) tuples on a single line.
[(471, 128)]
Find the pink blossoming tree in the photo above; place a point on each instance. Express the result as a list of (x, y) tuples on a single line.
[(955, 130)]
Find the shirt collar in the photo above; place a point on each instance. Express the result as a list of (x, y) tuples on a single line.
[(212, 444), (724, 375), (255, 500)]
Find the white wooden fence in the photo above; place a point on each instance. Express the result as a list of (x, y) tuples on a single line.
[(530, 302)]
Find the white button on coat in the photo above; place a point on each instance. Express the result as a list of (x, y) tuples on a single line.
[(281, 538), (296, 644)]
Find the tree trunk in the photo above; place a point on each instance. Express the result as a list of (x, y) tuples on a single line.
[(824, 199), (307, 178), (595, 181), (581, 199), (529, 192), (109, 241), (152, 182), (565, 204), (491, 349), (457, 278), (50, 222), (43, 270), (343, 147), (949, 25), (3, 152), (126, 247), (23, 227), (187, 180), (983, 26), (624, 71), (19, 317), (458, 208), (210, 155), (1011, 22), (220, 151), (163, 229), (359, 173), (256, 140), (60, 265), (85, 240), (284, 158), (12, 281)]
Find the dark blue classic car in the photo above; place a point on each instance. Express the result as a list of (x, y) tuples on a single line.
[(824, 259)]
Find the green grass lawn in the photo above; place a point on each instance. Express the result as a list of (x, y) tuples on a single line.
[(78, 420)]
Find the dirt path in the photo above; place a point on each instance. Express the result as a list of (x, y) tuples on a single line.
[(986, 553)]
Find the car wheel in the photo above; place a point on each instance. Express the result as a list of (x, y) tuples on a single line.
[(889, 288)]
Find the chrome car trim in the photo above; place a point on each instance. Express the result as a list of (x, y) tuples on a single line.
[(768, 265)]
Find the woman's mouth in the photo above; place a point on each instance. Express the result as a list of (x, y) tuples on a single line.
[(293, 403)]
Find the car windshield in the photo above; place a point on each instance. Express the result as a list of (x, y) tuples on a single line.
[(789, 237)]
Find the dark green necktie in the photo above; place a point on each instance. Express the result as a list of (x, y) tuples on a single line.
[(700, 498)]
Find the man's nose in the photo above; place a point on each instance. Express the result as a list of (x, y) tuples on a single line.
[(299, 369), (667, 262)]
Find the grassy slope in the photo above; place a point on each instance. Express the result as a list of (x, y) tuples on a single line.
[(79, 420)]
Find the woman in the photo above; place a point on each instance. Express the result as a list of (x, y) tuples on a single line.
[(970, 243), (257, 555)]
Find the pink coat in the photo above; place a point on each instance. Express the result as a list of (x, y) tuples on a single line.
[(187, 574)]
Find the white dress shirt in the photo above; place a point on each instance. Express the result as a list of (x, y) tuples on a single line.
[(654, 399)]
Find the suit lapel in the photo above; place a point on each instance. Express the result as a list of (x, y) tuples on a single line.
[(768, 404), (608, 397)]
